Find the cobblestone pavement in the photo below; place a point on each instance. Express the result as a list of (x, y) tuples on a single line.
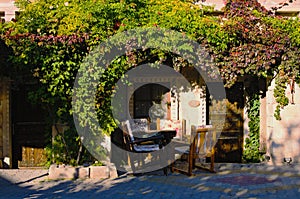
[(231, 181)]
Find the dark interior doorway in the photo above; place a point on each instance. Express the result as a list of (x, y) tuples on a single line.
[(28, 129), (229, 147)]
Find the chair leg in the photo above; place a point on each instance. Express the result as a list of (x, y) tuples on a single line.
[(172, 167), (212, 161), (165, 171), (191, 159), (131, 163)]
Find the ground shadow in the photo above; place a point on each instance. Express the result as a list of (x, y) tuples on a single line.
[(230, 181)]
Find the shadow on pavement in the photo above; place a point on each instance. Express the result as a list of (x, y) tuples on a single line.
[(231, 181)]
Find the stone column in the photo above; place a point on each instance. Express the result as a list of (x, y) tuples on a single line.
[(263, 115), (263, 125)]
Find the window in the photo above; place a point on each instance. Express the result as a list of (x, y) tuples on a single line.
[(145, 96), (2, 15), (287, 14)]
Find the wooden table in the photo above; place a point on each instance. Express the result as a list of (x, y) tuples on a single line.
[(167, 134)]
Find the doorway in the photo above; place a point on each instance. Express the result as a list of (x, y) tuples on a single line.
[(28, 129), (146, 97)]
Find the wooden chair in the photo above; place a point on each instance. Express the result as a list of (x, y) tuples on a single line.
[(139, 146), (200, 147)]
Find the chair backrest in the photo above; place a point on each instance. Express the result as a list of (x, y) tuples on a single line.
[(205, 140), (127, 136), (127, 129), (194, 137), (211, 139), (193, 133), (138, 125), (134, 126), (200, 139)]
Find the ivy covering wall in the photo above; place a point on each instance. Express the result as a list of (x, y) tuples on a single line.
[(251, 151), (52, 37)]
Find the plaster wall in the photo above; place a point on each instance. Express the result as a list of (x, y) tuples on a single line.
[(192, 107), (283, 136), (268, 4), (8, 7)]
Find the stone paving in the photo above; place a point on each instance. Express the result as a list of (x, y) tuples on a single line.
[(231, 181)]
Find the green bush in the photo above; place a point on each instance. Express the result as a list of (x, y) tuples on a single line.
[(65, 148)]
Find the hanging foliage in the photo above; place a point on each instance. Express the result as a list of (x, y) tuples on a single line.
[(51, 38)]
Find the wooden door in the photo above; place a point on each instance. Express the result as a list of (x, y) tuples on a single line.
[(32, 157), (29, 143), (229, 147), (30, 134)]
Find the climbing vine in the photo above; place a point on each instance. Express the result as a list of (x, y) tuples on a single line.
[(51, 38), (251, 151)]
